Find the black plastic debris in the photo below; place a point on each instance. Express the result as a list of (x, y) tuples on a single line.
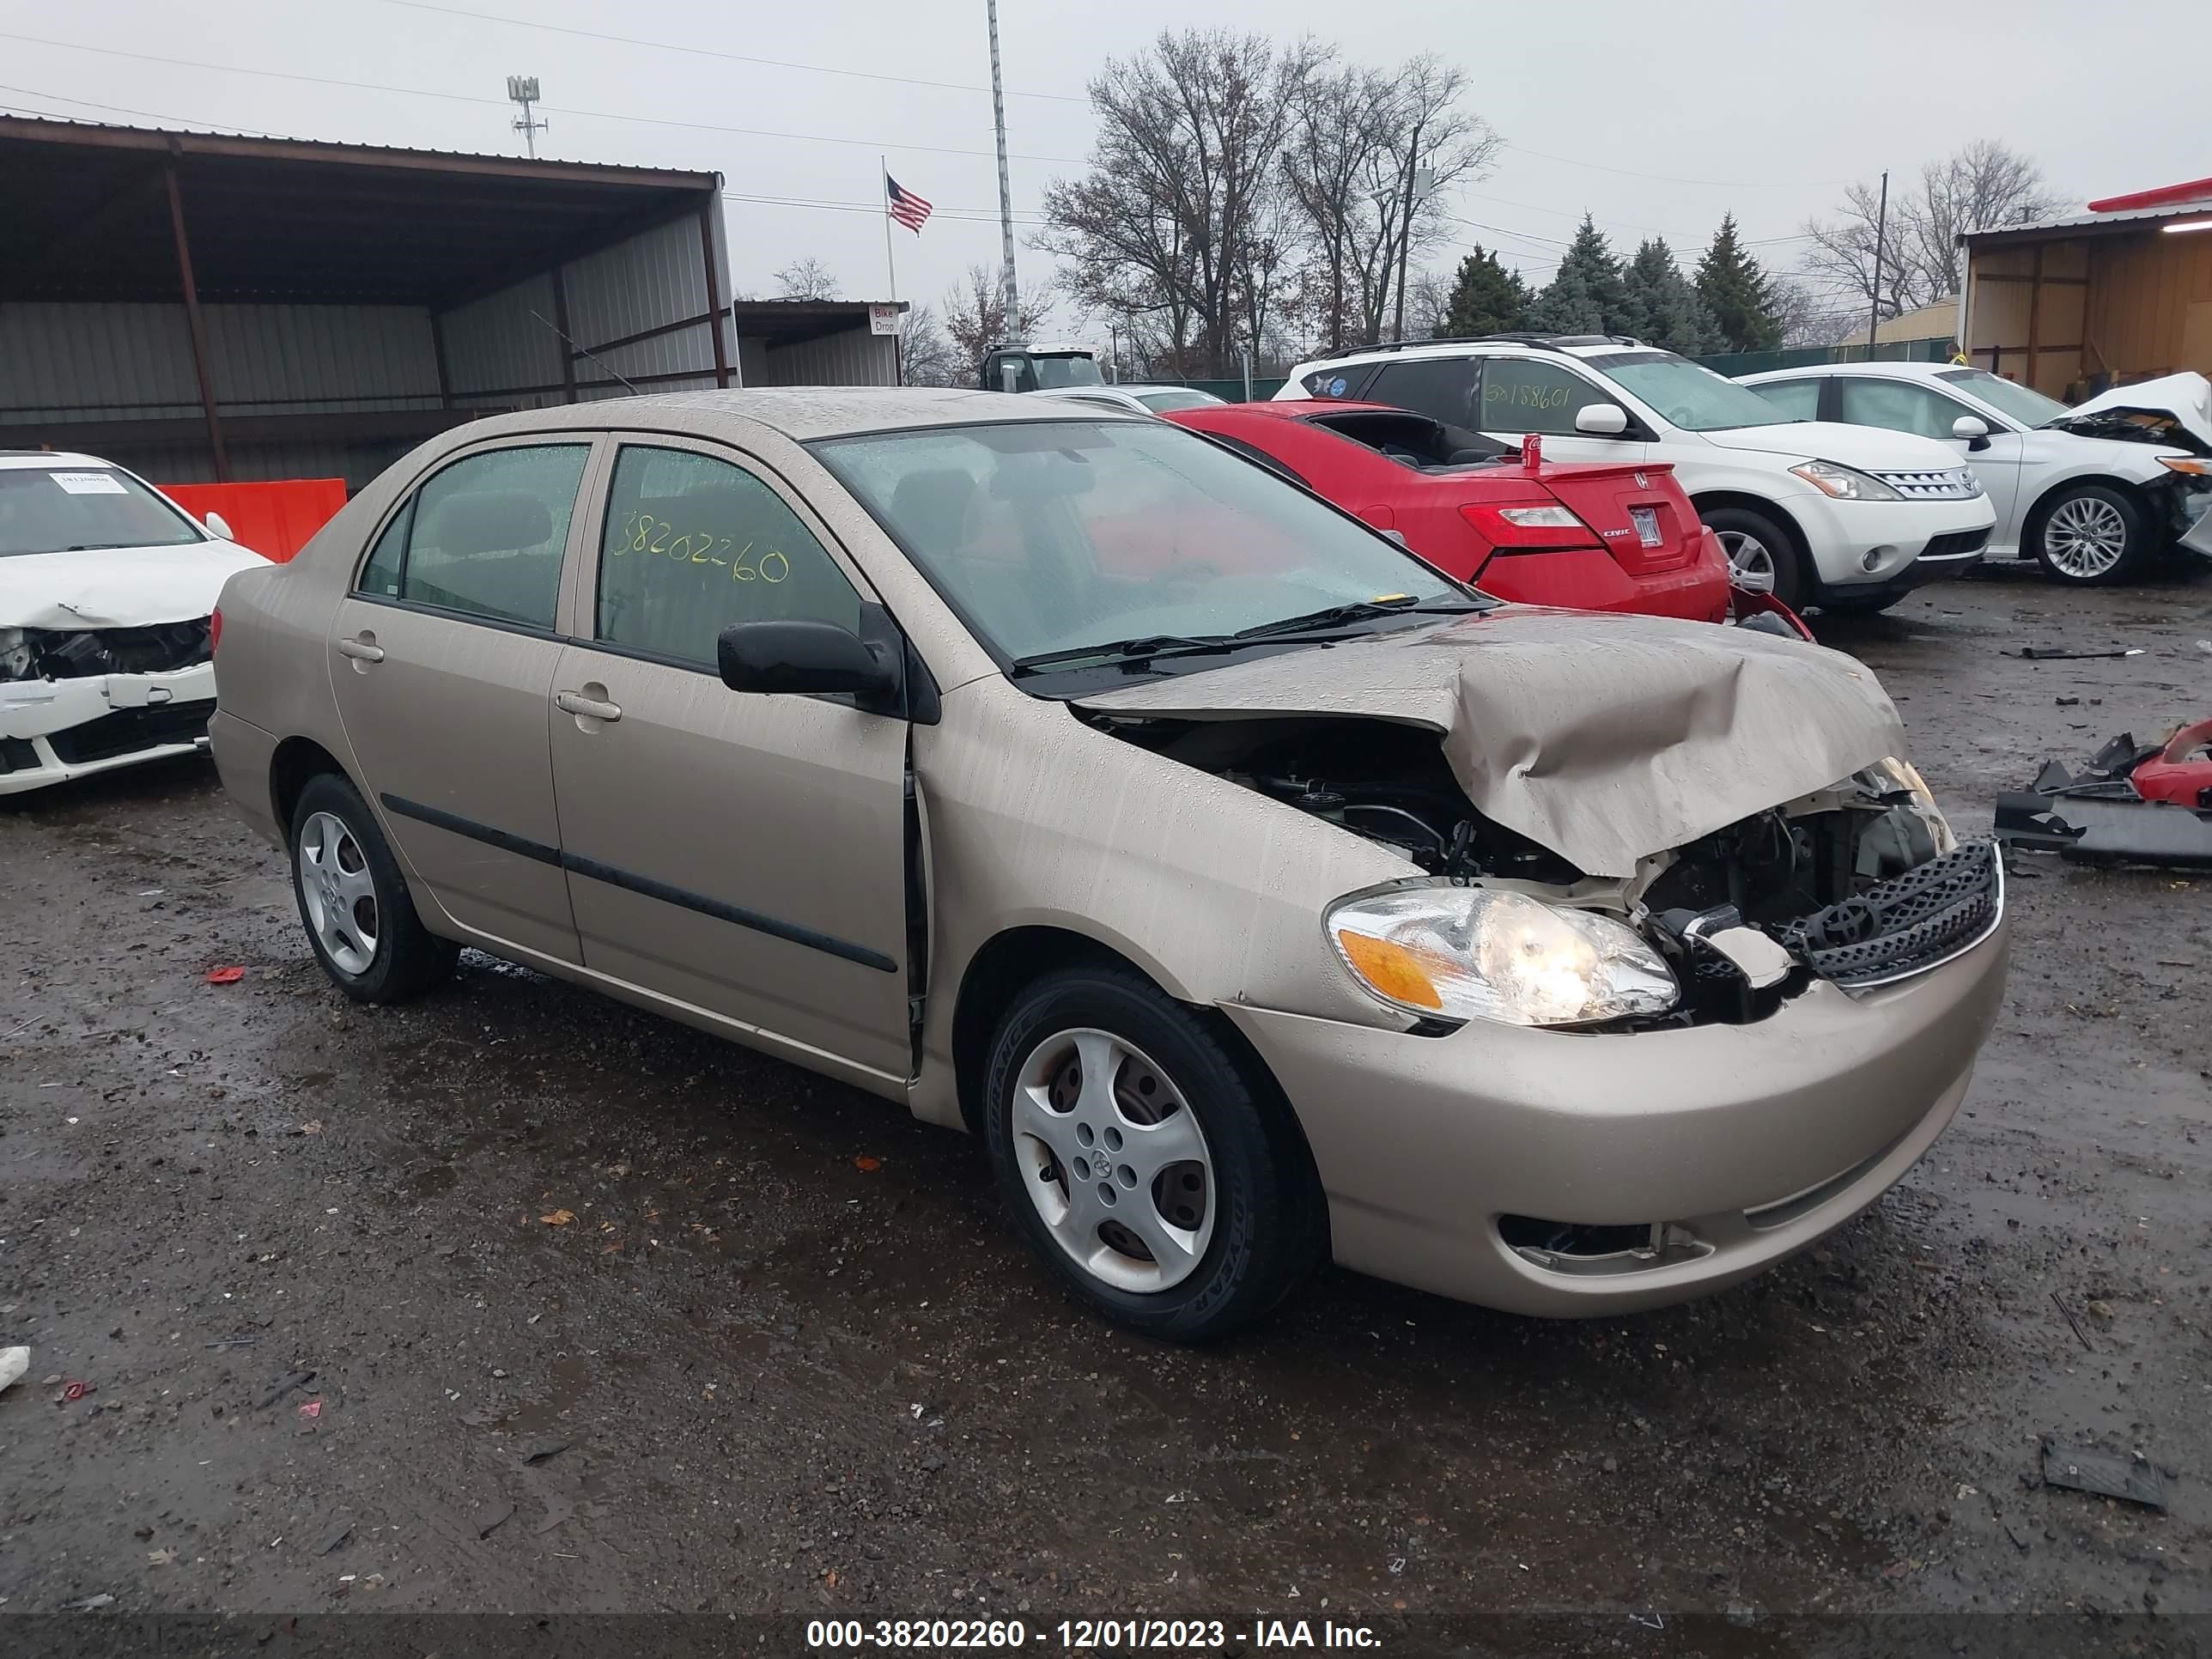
[(283, 1386), (2060, 653), (2103, 1474), (2095, 817)]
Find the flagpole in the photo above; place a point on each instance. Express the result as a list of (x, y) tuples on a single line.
[(891, 270)]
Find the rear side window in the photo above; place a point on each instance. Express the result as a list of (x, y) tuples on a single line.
[(694, 544), (1799, 399), (1520, 395), (1334, 382), (485, 536), (1897, 404), (1441, 388)]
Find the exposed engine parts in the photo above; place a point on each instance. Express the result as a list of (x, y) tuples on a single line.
[(33, 654)]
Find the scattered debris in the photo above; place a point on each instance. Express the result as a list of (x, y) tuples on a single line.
[(162, 1557), (232, 1342), (336, 1536), (73, 1390), (2133, 803), (2071, 1320), (558, 1218), (92, 1603), (867, 1165), (297, 1379), (2066, 702), (538, 1450), (2059, 653), (492, 1517), (14, 1363), (312, 1408), (2103, 1474), (225, 976)]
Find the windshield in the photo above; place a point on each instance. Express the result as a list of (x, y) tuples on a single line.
[(66, 509), (1049, 535), (1066, 371), (1176, 397), (2028, 407), (1688, 394)]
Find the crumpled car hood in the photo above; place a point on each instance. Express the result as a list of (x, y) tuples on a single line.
[(1605, 739), (2187, 397), (117, 586)]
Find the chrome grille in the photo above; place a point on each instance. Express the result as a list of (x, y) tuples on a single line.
[(1956, 483)]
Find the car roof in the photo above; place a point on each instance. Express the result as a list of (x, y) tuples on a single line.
[(16, 457), (1307, 409), (1887, 370), (799, 413), (1565, 345)]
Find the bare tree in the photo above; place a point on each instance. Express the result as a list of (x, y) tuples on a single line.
[(927, 355), (1428, 297), (806, 279), (975, 319), (1982, 187), (1174, 222)]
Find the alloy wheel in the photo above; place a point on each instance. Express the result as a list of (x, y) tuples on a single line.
[(1750, 561), (2085, 537), (1114, 1159), (338, 892)]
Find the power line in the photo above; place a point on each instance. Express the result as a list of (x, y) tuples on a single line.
[(472, 98), (729, 57)]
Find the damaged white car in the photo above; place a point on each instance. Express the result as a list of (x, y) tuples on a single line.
[(106, 589)]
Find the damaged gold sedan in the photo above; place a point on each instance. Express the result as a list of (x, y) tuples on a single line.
[(1257, 894)]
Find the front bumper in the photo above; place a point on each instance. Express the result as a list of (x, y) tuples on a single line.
[(54, 730), (1896, 538), (1752, 1140)]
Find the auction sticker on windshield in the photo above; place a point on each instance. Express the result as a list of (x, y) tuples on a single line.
[(90, 484)]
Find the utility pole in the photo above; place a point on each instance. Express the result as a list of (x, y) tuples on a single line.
[(523, 89), (1013, 299), (1880, 231)]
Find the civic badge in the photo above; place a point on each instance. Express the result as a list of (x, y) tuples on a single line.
[(1643, 482)]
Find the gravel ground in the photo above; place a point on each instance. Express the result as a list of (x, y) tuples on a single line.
[(794, 1361)]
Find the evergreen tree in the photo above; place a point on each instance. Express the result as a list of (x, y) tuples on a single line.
[(1485, 298), (1660, 306), (1588, 286), (1736, 291)]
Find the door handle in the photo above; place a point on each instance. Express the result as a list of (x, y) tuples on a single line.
[(590, 709), (364, 649)]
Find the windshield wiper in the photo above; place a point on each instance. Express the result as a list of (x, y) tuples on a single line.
[(1359, 611), (1141, 648)]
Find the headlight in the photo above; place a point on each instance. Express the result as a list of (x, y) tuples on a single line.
[(1476, 953), (1893, 776), (2192, 464), (1845, 484)]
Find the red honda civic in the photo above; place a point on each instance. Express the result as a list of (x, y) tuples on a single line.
[(1588, 535)]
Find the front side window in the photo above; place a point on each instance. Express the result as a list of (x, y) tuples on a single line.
[(1442, 388), (83, 509), (1524, 394), (1688, 394), (1798, 400), (1899, 405), (2025, 404), (693, 543), (485, 536), (1051, 535)]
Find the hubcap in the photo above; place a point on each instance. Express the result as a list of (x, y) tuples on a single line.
[(2085, 537), (1750, 562), (338, 893), (1114, 1159)]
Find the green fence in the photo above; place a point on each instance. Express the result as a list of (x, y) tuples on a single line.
[(1892, 352)]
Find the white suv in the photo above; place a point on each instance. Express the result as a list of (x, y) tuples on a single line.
[(1818, 512)]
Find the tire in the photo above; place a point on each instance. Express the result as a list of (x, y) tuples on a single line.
[(2091, 534), (353, 903), (1233, 1227), (1761, 554)]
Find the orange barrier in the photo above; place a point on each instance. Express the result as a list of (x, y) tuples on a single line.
[(275, 520)]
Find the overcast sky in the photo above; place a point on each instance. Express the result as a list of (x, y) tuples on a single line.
[(1655, 118)]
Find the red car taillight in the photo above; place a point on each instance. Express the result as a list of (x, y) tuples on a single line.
[(1530, 527), (215, 630)]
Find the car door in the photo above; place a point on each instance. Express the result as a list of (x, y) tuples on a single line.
[(1903, 405), (736, 853), (442, 660), (1543, 394)]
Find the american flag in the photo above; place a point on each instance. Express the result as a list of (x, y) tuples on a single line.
[(908, 209)]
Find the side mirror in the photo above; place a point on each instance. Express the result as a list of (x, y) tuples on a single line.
[(1974, 429), (1602, 420), (216, 525), (804, 657)]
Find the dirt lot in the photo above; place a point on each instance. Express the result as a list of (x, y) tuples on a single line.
[(798, 1364)]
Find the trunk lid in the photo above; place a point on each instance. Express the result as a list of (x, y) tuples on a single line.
[(1641, 517)]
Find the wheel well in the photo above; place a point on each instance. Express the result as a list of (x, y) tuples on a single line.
[(296, 761), (2031, 520), (1720, 498)]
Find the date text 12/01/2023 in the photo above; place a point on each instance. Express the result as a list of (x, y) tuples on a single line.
[(1084, 1635)]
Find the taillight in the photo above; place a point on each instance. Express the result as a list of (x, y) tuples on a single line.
[(1531, 527), (215, 630)]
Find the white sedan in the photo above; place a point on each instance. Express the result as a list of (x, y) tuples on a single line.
[(106, 589), (2089, 492)]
